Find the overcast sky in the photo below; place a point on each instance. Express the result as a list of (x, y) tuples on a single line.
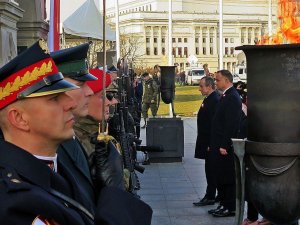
[(67, 7)]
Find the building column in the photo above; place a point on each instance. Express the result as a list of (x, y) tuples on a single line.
[(200, 43), (152, 42), (240, 36), (10, 13), (207, 42), (33, 25), (215, 46), (159, 44), (247, 36), (253, 36)]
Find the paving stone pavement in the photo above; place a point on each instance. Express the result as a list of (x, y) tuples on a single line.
[(171, 188)]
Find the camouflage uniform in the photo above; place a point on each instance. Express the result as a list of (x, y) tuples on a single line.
[(150, 91), (85, 129)]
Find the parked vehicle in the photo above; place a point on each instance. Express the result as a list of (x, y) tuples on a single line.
[(194, 75), (241, 71), (236, 78)]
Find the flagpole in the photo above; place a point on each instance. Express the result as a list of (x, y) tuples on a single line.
[(54, 25), (220, 34), (270, 18), (104, 67), (118, 50), (170, 47)]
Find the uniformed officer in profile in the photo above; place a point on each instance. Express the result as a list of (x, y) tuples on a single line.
[(35, 117)]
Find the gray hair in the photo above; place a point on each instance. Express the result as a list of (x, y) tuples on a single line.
[(209, 81)]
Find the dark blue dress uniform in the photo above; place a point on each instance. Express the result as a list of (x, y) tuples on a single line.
[(29, 188), (204, 120), (225, 125)]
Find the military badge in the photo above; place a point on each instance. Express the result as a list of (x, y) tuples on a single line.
[(44, 46)]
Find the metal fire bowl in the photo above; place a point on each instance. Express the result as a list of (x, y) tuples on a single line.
[(273, 180)]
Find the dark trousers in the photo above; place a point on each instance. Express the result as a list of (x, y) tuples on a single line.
[(210, 176), (227, 195)]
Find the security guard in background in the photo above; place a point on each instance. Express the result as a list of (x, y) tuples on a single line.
[(150, 91), (36, 116)]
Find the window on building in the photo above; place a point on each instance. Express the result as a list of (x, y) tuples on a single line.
[(242, 40), (185, 40), (197, 51), (147, 40), (226, 51), (146, 8), (163, 40), (147, 51), (231, 50), (155, 40), (231, 40), (163, 51), (249, 40), (173, 40), (211, 50), (196, 40), (174, 52), (204, 50), (203, 40), (180, 52), (211, 40), (185, 51), (179, 40), (150, 7), (226, 40), (155, 51)]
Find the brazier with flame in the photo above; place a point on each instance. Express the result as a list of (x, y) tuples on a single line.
[(273, 146)]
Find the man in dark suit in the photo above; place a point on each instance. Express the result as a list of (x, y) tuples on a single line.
[(35, 117), (204, 119), (225, 125)]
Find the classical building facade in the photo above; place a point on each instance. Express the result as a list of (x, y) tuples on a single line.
[(22, 22), (195, 28)]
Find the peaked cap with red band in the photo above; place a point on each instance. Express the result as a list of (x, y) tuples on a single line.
[(97, 85), (33, 73)]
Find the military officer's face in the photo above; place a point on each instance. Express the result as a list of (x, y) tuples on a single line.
[(49, 118), (81, 96), (221, 82), (203, 88), (96, 107)]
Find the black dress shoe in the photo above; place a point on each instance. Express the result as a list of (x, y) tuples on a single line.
[(223, 213), (204, 201), (217, 199), (220, 207)]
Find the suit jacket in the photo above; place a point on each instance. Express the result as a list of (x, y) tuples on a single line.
[(225, 125), (73, 156), (204, 120), (25, 193)]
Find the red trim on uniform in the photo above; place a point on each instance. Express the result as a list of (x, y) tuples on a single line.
[(14, 84)]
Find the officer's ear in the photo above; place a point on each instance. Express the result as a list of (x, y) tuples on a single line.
[(17, 117)]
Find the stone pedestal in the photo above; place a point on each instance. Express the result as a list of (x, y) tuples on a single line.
[(10, 13), (168, 133), (33, 25)]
